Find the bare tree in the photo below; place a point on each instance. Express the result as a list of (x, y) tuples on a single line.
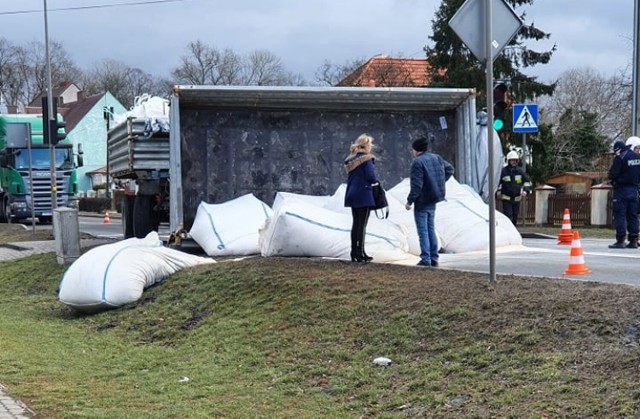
[(23, 74), (197, 65), (586, 90), (63, 68), (263, 69), (330, 74), (122, 81), (11, 84), (205, 64)]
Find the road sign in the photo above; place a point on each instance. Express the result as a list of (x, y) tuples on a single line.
[(469, 24), (525, 118)]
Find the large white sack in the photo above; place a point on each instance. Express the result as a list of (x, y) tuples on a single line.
[(466, 218), (115, 274), (230, 228), (316, 200), (462, 219), (299, 228)]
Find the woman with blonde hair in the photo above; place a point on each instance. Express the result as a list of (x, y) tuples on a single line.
[(359, 194)]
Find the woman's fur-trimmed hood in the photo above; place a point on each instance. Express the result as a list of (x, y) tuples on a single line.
[(354, 161)]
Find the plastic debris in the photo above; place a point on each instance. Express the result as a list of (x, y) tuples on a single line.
[(382, 361)]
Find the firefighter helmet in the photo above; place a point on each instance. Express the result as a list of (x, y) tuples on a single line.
[(513, 155)]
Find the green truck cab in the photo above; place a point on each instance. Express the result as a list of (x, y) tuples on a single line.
[(26, 173)]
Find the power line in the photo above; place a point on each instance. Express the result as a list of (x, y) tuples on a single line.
[(96, 6)]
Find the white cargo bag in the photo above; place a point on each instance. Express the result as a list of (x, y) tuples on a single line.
[(300, 228), (115, 274), (230, 228)]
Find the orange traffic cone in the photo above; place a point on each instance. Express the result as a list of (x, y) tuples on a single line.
[(106, 218), (565, 236), (576, 260)]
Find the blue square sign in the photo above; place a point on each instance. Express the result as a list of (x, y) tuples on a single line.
[(525, 118)]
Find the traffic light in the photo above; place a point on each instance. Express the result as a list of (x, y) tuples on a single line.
[(51, 128), (499, 105), (45, 120)]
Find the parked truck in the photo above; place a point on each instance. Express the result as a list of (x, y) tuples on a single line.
[(227, 141), (26, 175)]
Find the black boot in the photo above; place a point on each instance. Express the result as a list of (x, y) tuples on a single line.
[(619, 244), (633, 243), (356, 254)]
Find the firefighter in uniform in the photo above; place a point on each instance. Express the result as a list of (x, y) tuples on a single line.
[(514, 184)]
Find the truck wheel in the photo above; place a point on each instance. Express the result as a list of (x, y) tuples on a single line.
[(143, 216), (5, 211), (127, 216)]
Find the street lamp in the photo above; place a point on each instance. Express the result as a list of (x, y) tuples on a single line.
[(50, 116)]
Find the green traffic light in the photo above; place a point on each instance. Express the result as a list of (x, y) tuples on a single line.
[(498, 124)]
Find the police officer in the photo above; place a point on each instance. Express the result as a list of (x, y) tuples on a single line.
[(625, 178), (514, 184)]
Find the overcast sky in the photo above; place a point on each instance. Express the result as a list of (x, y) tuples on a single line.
[(152, 34)]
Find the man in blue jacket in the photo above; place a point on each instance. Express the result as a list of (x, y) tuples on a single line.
[(625, 178), (429, 173)]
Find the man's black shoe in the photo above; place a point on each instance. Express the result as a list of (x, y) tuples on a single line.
[(421, 263), (632, 245), (616, 245), (434, 264)]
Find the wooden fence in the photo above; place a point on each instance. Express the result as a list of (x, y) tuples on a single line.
[(579, 206)]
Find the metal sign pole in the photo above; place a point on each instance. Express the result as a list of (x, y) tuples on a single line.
[(525, 152), (492, 188)]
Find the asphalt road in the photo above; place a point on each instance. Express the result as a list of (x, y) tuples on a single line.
[(546, 258)]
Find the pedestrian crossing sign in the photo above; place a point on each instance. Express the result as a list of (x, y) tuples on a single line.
[(525, 118)]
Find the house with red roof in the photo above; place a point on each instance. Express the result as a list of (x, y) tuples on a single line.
[(384, 71)]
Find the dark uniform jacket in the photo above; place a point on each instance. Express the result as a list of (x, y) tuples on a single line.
[(625, 171), (512, 181)]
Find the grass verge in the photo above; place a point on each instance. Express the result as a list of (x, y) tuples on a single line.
[(291, 337)]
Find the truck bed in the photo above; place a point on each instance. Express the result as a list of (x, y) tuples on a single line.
[(134, 146)]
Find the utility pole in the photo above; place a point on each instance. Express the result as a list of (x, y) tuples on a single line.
[(50, 117), (636, 67)]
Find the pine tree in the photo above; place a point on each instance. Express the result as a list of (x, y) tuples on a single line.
[(462, 69)]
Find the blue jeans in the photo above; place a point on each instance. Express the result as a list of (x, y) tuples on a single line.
[(425, 224)]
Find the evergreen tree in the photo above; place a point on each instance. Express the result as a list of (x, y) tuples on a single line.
[(578, 144), (453, 65), (541, 147)]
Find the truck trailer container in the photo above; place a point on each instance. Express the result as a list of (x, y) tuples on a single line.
[(227, 141)]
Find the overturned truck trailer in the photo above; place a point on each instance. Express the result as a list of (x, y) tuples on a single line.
[(229, 141)]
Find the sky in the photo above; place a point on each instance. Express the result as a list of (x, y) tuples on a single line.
[(153, 34)]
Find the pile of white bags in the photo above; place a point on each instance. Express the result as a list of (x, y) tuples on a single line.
[(319, 226), (115, 274), (154, 109)]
